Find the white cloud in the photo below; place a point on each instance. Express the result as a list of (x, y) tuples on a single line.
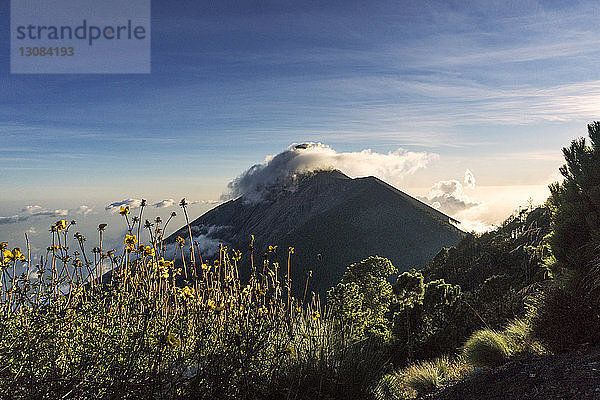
[(209, 202), (115, 206), (31, 211), (469, 179), (164, 203), (449, 197), (84, 210), (282, 168), (12, 219), (39, 211)]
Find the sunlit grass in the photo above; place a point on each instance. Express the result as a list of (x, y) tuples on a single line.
[(133, 322)]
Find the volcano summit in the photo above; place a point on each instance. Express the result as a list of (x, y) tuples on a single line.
[(332, 221)]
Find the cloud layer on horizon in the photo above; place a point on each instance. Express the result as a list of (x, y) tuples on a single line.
[(31, 211)]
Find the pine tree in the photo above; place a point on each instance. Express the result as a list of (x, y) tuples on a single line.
[(575, 204)]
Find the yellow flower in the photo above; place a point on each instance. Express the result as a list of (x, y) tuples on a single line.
[(124, 211), (174, 340), (3, 245), (149, 251), (165, 263), (180, 241), (316, 315), (14, 255), (61, 224), (211, 304), (187, 292), (130, 240), (291, 250), (6, 257)]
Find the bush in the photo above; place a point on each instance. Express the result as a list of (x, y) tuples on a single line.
[(567, 314), (486, 348)]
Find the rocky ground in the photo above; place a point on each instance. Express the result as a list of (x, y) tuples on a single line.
[(574, 375)]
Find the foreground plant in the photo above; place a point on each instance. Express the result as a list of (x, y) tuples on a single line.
[(132, 324)]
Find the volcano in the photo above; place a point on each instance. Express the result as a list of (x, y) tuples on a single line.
[(332, 221)]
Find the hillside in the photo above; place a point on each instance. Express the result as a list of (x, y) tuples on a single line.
[(332, 221), (573, 375)]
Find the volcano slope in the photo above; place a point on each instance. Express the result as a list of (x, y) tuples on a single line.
[(332, 221)]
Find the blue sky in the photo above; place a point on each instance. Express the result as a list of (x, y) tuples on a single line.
[(495, 87)]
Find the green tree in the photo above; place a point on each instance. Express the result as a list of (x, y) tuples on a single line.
[(567, 315), (362, 298), (428, 317), (575, 204)]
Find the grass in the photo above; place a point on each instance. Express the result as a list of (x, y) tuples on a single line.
[(486, 348), (154, 329), (422, 378)]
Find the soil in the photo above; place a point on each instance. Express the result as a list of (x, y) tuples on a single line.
[(573, 375)]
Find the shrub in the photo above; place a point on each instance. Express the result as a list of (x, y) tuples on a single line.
[(567, 314), (486, 348)]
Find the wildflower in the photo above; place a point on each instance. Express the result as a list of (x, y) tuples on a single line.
[(149, 251), (158, 220), (272, 249), (183, 203), (143, 203), (101, 227), (173, 214), (211, 304), (174, 340), (180, 241), (3, 245), (165, 263), (130, 239), (6, 256), (316, 315), (124, 211), (205, 267), (187, 292), (163, 268), (291, 249), (14, 255), (60, 225)]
